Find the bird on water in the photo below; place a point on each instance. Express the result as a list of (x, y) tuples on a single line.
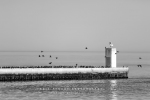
[(41, 51), (86, 48), (139, 65), (56, 57)]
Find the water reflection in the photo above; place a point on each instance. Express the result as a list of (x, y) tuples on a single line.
[(113, 89)]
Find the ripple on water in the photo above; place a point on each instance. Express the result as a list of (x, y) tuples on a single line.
[(90, 89)]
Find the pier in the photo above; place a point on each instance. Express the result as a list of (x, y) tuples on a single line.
[(62, 74)]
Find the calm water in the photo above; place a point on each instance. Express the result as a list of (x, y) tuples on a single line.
[(128, 89), (136, 87)]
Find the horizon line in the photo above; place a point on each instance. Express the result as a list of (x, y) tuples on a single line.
[(124, 51)]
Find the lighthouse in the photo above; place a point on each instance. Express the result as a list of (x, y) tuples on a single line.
[(110, 57)]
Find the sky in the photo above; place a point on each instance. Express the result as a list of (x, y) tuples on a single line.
[(72, 25)]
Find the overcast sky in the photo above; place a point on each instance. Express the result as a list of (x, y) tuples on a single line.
[(72, 25)]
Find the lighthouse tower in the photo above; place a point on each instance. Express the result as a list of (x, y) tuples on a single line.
[(110, 57)]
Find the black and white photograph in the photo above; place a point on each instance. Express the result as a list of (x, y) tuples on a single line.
[(74, 50)]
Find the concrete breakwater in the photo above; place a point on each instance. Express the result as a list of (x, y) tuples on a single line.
[(33, 73)]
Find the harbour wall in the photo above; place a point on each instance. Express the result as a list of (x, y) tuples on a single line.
[(28, 74)]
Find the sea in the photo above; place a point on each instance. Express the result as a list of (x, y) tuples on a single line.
[(136, 87)]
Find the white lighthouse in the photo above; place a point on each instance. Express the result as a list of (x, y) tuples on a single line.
[(110, 57)]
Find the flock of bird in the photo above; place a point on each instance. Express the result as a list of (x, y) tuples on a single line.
[(111, 45), (51, 56)]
